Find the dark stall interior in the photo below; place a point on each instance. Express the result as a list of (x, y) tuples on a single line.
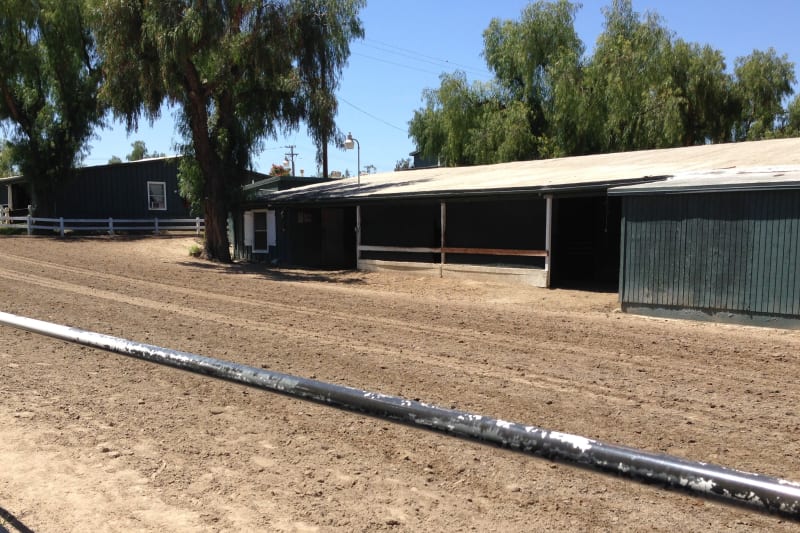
[(586, 242)]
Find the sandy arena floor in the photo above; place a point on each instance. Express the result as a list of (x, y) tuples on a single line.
[(92, 441)]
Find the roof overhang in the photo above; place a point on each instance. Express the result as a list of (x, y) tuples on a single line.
[(715, 181), (10, 180)]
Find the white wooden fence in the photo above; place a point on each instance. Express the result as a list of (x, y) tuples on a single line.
[(107, 225)]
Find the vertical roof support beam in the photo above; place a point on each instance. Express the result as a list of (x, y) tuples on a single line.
[(358, 237), (548, 238), (443, 210)]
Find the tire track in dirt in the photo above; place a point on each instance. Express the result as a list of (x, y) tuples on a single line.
[(295, 308), (486, 342), (547, 383), (496, 341)]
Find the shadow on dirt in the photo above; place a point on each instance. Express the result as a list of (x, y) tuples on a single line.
[(9, 520), (341, 277), (588, 286)]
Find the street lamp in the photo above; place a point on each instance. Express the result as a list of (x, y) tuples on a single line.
[(348, 145)]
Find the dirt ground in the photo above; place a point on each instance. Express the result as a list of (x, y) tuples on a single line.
[(92, 441)]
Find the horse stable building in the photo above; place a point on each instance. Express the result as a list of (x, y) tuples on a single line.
[(548, 223)]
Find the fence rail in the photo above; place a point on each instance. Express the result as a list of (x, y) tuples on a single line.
[(108, 225), (454, 250), (755, 491)]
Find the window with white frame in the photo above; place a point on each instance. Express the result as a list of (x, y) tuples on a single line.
[(157, 196), (259, 230)]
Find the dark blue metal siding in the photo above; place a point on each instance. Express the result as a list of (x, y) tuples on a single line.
[(718, 252), (120, 191)]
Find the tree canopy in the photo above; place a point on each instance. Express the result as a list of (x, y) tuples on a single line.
[(278, 170), (237, 71), (763, 81), (49, 79), (6, 165), (641, 88), (139, 151)]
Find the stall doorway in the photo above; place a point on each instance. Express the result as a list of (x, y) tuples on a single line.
[(586, 242)]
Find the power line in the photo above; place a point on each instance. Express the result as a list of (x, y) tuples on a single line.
[(437, 63), (416, 55), (372, 116), (397, 64)]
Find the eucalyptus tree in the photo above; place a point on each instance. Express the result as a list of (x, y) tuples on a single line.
[(49, 79), (441, 129), (576, 115), (709, 106), (792, 125), (763, 81), (629, 72), (523, 54), (641, 88), (6, 165), (237, 72), (139, 151), (508, 118)]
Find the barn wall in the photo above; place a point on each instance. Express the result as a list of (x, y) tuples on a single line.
[(120, 191), (727, 255)]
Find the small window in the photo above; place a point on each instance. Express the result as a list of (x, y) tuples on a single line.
[(260, 232), (157, 195)]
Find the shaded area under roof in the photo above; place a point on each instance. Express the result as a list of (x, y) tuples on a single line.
[(593, 172)]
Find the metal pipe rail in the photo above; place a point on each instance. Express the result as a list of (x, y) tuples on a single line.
[(755, 491)]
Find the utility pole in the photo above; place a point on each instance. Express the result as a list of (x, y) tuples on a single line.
[(291, 155)]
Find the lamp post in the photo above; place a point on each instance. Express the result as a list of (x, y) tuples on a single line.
[(348, 145)]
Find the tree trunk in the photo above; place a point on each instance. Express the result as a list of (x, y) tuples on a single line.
[(42, 198), (216, 246), (325, 159)]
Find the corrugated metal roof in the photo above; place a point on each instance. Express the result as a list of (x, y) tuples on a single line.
[(549, 175), (733, 179)]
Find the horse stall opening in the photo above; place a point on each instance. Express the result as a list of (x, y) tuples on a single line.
[(319, 237), (586, 242), (510, 224), (401, 225), (496, 238)]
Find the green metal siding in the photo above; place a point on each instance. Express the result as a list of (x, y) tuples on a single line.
[(723, 252)]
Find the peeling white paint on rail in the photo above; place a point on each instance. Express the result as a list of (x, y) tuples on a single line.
[(700, 484), (581, 443)]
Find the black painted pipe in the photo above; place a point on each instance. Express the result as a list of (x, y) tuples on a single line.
[(755, 491)]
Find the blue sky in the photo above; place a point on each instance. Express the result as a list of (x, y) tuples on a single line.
[(409, 43)]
